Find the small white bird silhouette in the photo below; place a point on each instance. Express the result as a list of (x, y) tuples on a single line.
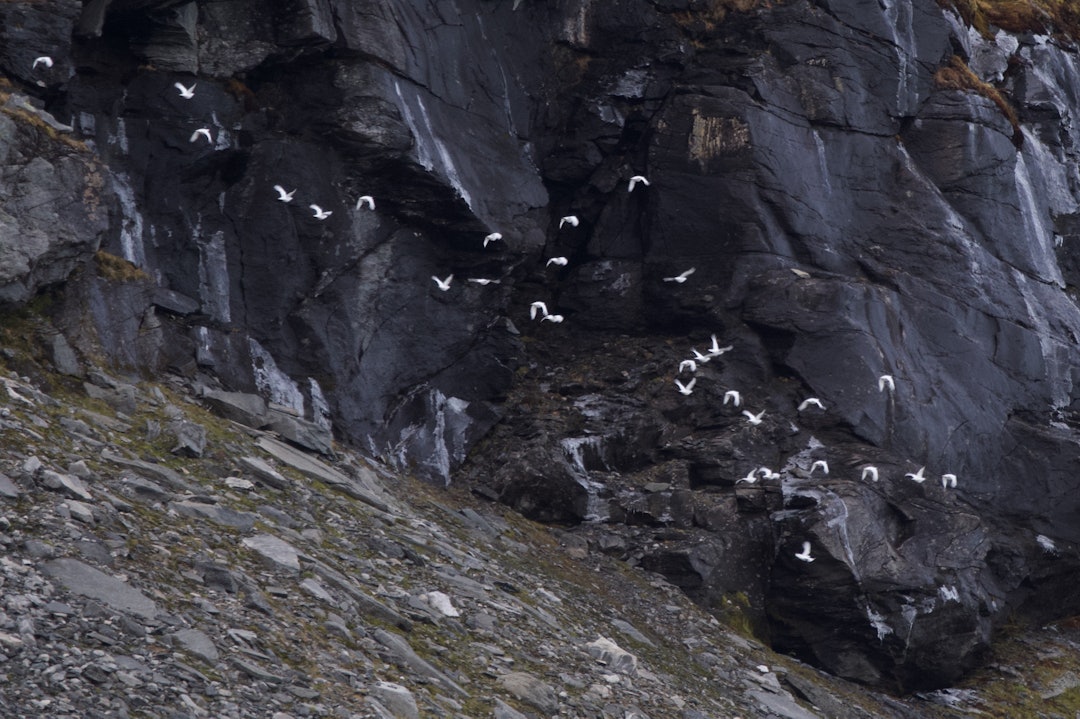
[(805, 554), (767, 473), (809, 401), (754, 419), (444, 285), (560, 261), (43, 60), (700, 358), (688, 387), (716, 350), (872, 471), (282, 195), (365, 200), (948, 480), (820, 464), (185, 92), (569, 220), (886, 380), (688, 364), (733, 395), (750, 478), (320, 213), (552, 318), (484, 281), (535, 307), (680, 278), (917, 476), (204, 131), (636, 179), (493, 237)]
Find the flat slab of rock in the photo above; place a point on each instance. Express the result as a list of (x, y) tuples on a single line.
[(404, 655), (159, 472), (222, 515), (83, 579), (322, 472), (277, 551), (531, 690), (398, 700), (8, 488), (198, 644), (264, 472), (247, 409)]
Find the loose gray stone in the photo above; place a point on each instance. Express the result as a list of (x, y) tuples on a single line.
[(505, 711), (313, 468), (81, 511), (264, 472), (531, 690), (277, 551), (8, 488), (190, 438), (222, 515), (615, 657), (247, 409), (398, 700), (63, 356), (404, 655), (83, 579), (67, 484), (782, 705), (198, 644)]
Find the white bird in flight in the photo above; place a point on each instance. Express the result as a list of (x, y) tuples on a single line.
[(822, 464), (552, 318), (688, 387), (688, 364), (560, 261), (43, 60), (716, 350), (444, 285), (767, 473), (535, 307), (948, 480), (282, 195), (204, 131), (484, 281), (917, 476), (700, 358), (805, 554), (809, 401), (365, 200), (886, 380), (569, 220), (185, 92), (635, 180), (750, 478), (320, 213), (872, 471), (680, 278), (493, 237), (734, 396), (754, 419)]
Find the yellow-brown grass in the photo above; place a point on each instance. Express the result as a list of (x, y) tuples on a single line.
[(1057, 17), (958, 76)]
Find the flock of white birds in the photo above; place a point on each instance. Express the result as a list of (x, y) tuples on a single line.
[(885, 382), (539, 309)]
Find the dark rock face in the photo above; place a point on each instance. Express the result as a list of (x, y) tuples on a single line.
[(848, 215)]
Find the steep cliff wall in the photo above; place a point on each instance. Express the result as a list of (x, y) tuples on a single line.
[(861, 189)]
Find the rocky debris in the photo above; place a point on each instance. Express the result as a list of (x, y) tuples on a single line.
[(166, 588)]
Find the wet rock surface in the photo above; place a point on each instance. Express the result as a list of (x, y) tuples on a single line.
[(829, 194)]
